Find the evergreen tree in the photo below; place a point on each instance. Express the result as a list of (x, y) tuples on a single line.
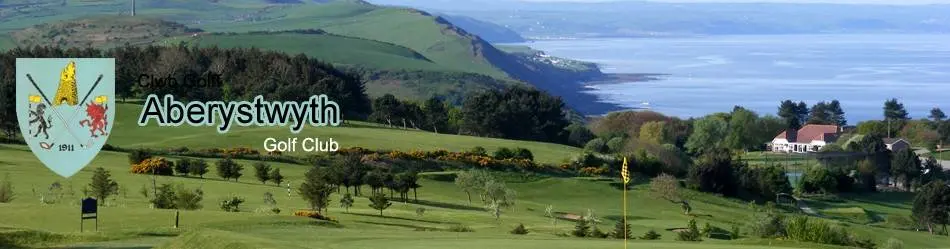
[(182, 166), (102, 185), (820, 114), (837, 113), (198, 167), (621, 231), (581, 228), (937, 115)]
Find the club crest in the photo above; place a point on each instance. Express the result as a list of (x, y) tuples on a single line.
[(65, 109)]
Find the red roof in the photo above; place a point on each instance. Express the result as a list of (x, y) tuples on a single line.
[(811, 132)]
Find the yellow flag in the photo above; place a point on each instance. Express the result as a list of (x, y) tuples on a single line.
[(624, 173)]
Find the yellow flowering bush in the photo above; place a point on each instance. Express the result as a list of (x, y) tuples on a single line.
[(313, 214), (153, 165)]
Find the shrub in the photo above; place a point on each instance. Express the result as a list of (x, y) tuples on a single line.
[(102, 185), (522, 153), (581, 229), (818, 231), (459, 228), (188, 199), (734, 233), (707, 230), (595, 145), (478, 151), (153, 165), (691, 234), (651, 235), (893, 243), (503, 153), (597, 233), (165, 197), (520, 230), (138, 155), (313, 214), (615, 144), (6, 190), (232, 204)]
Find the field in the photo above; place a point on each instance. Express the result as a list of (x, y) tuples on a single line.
[(128, 134)]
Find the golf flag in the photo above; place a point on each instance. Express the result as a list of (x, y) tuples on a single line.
[(624, 173)]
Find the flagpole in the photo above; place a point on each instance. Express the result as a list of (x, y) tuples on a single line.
[(625, 177)]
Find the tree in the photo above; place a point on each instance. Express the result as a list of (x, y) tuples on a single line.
[(497, 197), (933, 171), (315, 190), (667, 187), (707, 134), (895, 115), (262, 172), (937, 115), (691, 234), (182, 166), (837, 114), (386, 108), (522, 153), (872, 127), (102, 185), (581, 228), (793, 114), (228, 169), (198, 167), (714, 173), (515, 112), (376, 181), (655, 132), (906, 167), (578, 134), (741, 134), (819, 114), (621, 230), (379, 202), (346, 202), (818, 179), (471, 181), (276, 177), (437, 116), (354, 172), (138, 155), (932, 205)]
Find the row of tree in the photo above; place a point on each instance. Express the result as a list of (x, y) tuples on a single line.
[(349, 171)]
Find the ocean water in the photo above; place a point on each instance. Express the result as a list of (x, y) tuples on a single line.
[(712, 74)]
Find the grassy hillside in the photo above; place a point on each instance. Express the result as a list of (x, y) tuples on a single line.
[(127, 133), (100, 32), (327, 47)]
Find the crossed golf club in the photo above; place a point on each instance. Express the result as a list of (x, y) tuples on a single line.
[(60, 116)]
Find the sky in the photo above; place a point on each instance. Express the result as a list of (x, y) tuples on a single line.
[(902, 2)]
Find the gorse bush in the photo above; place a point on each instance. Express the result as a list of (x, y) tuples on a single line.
[(153, 166)]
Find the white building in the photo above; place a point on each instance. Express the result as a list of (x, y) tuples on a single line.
[(810, 138)]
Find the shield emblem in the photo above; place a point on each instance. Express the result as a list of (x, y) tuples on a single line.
[(65, 109)]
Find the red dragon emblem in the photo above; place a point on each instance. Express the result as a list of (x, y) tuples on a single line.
[(96, 119)]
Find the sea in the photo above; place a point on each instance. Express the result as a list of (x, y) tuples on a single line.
[(701, 75)]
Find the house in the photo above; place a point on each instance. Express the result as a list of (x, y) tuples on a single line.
[(810, 138), (896, 144)]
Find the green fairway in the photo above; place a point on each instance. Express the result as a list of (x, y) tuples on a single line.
[(126, 133), (127, 220)]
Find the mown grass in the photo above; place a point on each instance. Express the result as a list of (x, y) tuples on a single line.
[(126, 133)]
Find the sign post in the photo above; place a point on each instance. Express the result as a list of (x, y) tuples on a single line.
[(89, 211)]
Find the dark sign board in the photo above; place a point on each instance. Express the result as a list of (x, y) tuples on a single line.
[(89, 206), (90, 210)]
